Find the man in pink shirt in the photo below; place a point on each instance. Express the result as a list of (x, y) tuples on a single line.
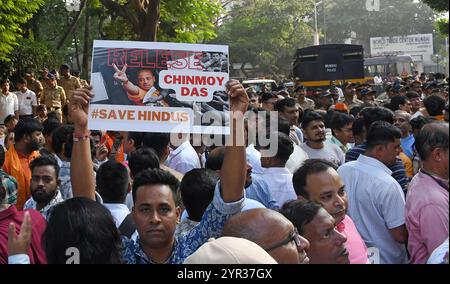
[(427, 207), (317, 180)]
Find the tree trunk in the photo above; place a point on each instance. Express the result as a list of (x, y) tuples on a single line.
[(72, 26), (243, 69), (77, 51), (149, 25), (86, 47)]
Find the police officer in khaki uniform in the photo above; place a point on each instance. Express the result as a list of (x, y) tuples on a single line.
[(83, 82), (54, 97), (68, 82), (34, 85)]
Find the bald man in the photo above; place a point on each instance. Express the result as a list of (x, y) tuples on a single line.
[(271, 231)]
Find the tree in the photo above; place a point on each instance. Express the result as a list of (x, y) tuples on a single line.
[(179, 20), (266, 33), (395, 18), (438, 5), (13, 14)]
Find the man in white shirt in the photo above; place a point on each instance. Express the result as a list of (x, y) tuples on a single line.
[(113, 185), (275, 174), (27, 99), (376, 200), (8, 101), (184, 157), (313, 126)]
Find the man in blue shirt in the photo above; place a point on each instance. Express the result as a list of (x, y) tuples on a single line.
[(155, 210)]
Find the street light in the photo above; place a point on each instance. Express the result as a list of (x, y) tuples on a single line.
[(316, 33), (72, 5)]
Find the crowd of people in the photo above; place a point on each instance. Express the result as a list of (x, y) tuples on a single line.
[(359, 176)]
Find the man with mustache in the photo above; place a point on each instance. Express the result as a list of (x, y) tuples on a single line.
[(312, 221), (318, 181), (313, 127), (44, 185)]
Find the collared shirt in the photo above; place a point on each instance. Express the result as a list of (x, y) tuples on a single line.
[(357, 250), (376, 205), (184, 227), (12, 215), (439, 255), (54, 98), (254, 159), (36, 87), (335, 141), (9, 183), (69, 85), (279, 181), (183, 159), (355, 103), (407, 145), (259, 191), (426, 216), (8, 105), (27, 101), (307, 104), (329, 152), (47, 209), (211, 225), (118, 211), (398, 170)]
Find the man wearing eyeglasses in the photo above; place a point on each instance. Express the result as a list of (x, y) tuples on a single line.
[(327, 244), (271, 231), (318, 181)]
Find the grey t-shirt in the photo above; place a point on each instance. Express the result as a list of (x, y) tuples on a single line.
[(329, 152)]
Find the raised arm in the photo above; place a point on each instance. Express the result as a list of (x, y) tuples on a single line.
[(121, 76), (81, 168), (232, 175)]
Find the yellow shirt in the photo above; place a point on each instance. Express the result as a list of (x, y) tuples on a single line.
[(54, 98), (69, 85)]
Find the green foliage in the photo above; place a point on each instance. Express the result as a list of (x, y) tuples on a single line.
[(438, 5), (395, 18), (442, 26), (13, 14), (266, 33), (189, 21)]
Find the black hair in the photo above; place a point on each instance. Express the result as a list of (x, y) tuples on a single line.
[(197, 191), (2, 157), (267, 96), (45, 160), (309, 167), (86, 225), (52, 115), (96, 133), (156, 177), (354, 111), (112, 182), (412, 94), (372, 114), (282, 104), (3, 81), (26, 126), (156, 141), (396, 101), (61, 136), (50, 125), (358, 126), (310, 116), (136, 137), (285, 147), (21, 81), (340, 120), (214, 162), (141, 159), (9, 118), (283, 127), (418, 122), (431, 136), (382, 133), (434, 105), (300, 213)]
